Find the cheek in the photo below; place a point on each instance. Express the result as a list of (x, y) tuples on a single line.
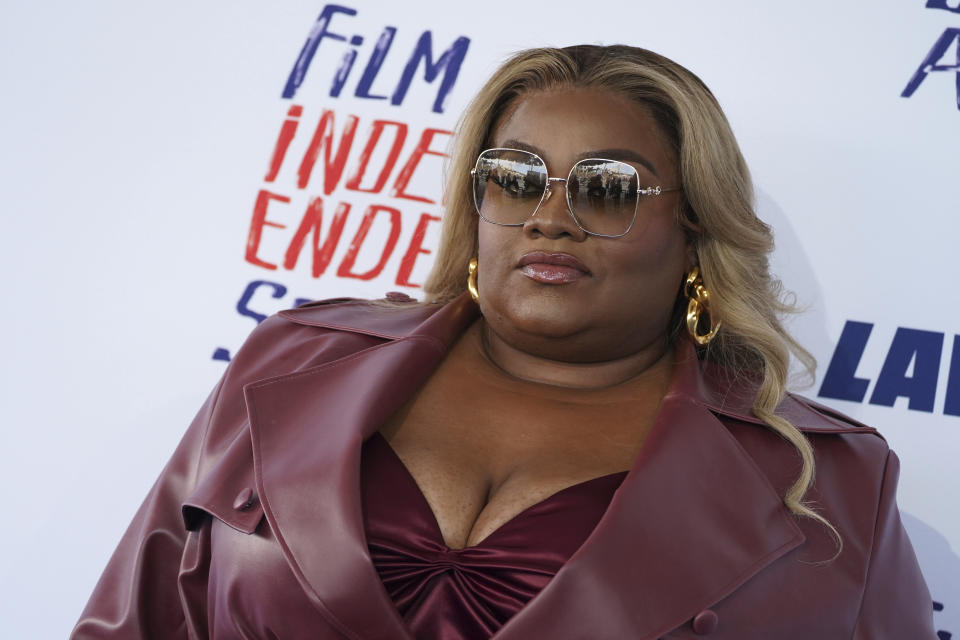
[(653, 261), (485, 247), (662, 242), (493, 253)]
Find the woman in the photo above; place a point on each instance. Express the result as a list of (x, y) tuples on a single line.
[(583, 434)]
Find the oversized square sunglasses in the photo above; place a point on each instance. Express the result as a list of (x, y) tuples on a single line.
[(603, 196)]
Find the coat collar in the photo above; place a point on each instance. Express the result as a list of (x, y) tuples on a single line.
[(649, 565), (712, 386)]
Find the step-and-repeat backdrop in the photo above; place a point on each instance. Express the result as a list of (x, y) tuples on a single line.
[(172, 174)]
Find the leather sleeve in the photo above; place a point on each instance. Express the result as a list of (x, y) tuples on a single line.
[(896, 601), (137, 594)]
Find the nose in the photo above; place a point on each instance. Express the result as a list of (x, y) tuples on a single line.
[(553, 218)]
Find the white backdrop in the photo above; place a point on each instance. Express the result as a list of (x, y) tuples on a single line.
[(137, 141)]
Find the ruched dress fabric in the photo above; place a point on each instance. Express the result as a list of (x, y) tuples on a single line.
[(467, 594)]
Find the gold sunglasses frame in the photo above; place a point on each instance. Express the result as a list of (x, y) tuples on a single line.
[(547, 192)]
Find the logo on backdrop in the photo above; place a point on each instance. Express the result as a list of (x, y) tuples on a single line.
[(910, 369), (448, 63), (287, 217), (936, 60)]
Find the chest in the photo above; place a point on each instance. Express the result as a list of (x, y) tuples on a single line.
[(481, 456)]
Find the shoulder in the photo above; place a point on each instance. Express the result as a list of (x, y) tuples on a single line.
[(843, 439), (283, 345), (826, 427), (395, 316), (829, 429), (321, 330), (837, 438), (816, 417), (731, 396), (844, 448), (846, 451), (850, 462), (311, 335)]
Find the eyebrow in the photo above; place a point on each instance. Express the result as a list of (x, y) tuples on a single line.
[(622, 155)]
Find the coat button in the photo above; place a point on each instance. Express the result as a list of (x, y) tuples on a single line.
[(244, 500), (705, 622), (398, 296)]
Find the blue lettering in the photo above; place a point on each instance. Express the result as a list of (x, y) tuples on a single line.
[(839, 381), (952, 404), (449, 63), (923, 348), (317, 33), (242, 304), (930, 63), (373, 65), (340, 77), (942, 4)]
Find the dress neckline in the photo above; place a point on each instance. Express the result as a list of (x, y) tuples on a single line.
[(487, 541)]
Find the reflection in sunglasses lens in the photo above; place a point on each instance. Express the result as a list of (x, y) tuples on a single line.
[(603, 195), (508, 186)]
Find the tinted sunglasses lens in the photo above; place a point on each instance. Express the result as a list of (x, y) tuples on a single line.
[(508, 185), (603, 195)]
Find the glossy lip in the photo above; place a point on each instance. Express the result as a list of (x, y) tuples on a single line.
[(552, 268), (559, 259)]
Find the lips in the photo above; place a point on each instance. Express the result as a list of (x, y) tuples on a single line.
[(552, 268)]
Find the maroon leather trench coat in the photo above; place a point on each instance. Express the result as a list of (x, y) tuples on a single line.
[(254, 528)]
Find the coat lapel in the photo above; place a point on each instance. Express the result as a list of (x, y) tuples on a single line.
[(306, 429), (694, 519)]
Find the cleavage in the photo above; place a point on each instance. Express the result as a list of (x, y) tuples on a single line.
[(443, 496)]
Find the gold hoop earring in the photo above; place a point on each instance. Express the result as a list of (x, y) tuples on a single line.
[(472, 280), (699, 303)]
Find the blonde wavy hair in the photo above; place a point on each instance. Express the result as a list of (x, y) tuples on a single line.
[(731, 243)]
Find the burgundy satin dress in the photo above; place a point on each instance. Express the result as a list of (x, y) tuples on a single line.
[(467, 594)]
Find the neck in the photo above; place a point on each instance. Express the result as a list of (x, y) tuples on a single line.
[(654, 361)]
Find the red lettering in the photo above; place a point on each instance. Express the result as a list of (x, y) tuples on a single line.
[(257, 223), (415, 249), (346, 267), (422, 149), (312, 219), (283, 141), (401, 135), (323, 137)]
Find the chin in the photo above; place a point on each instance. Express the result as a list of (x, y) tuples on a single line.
[(549, 317)]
